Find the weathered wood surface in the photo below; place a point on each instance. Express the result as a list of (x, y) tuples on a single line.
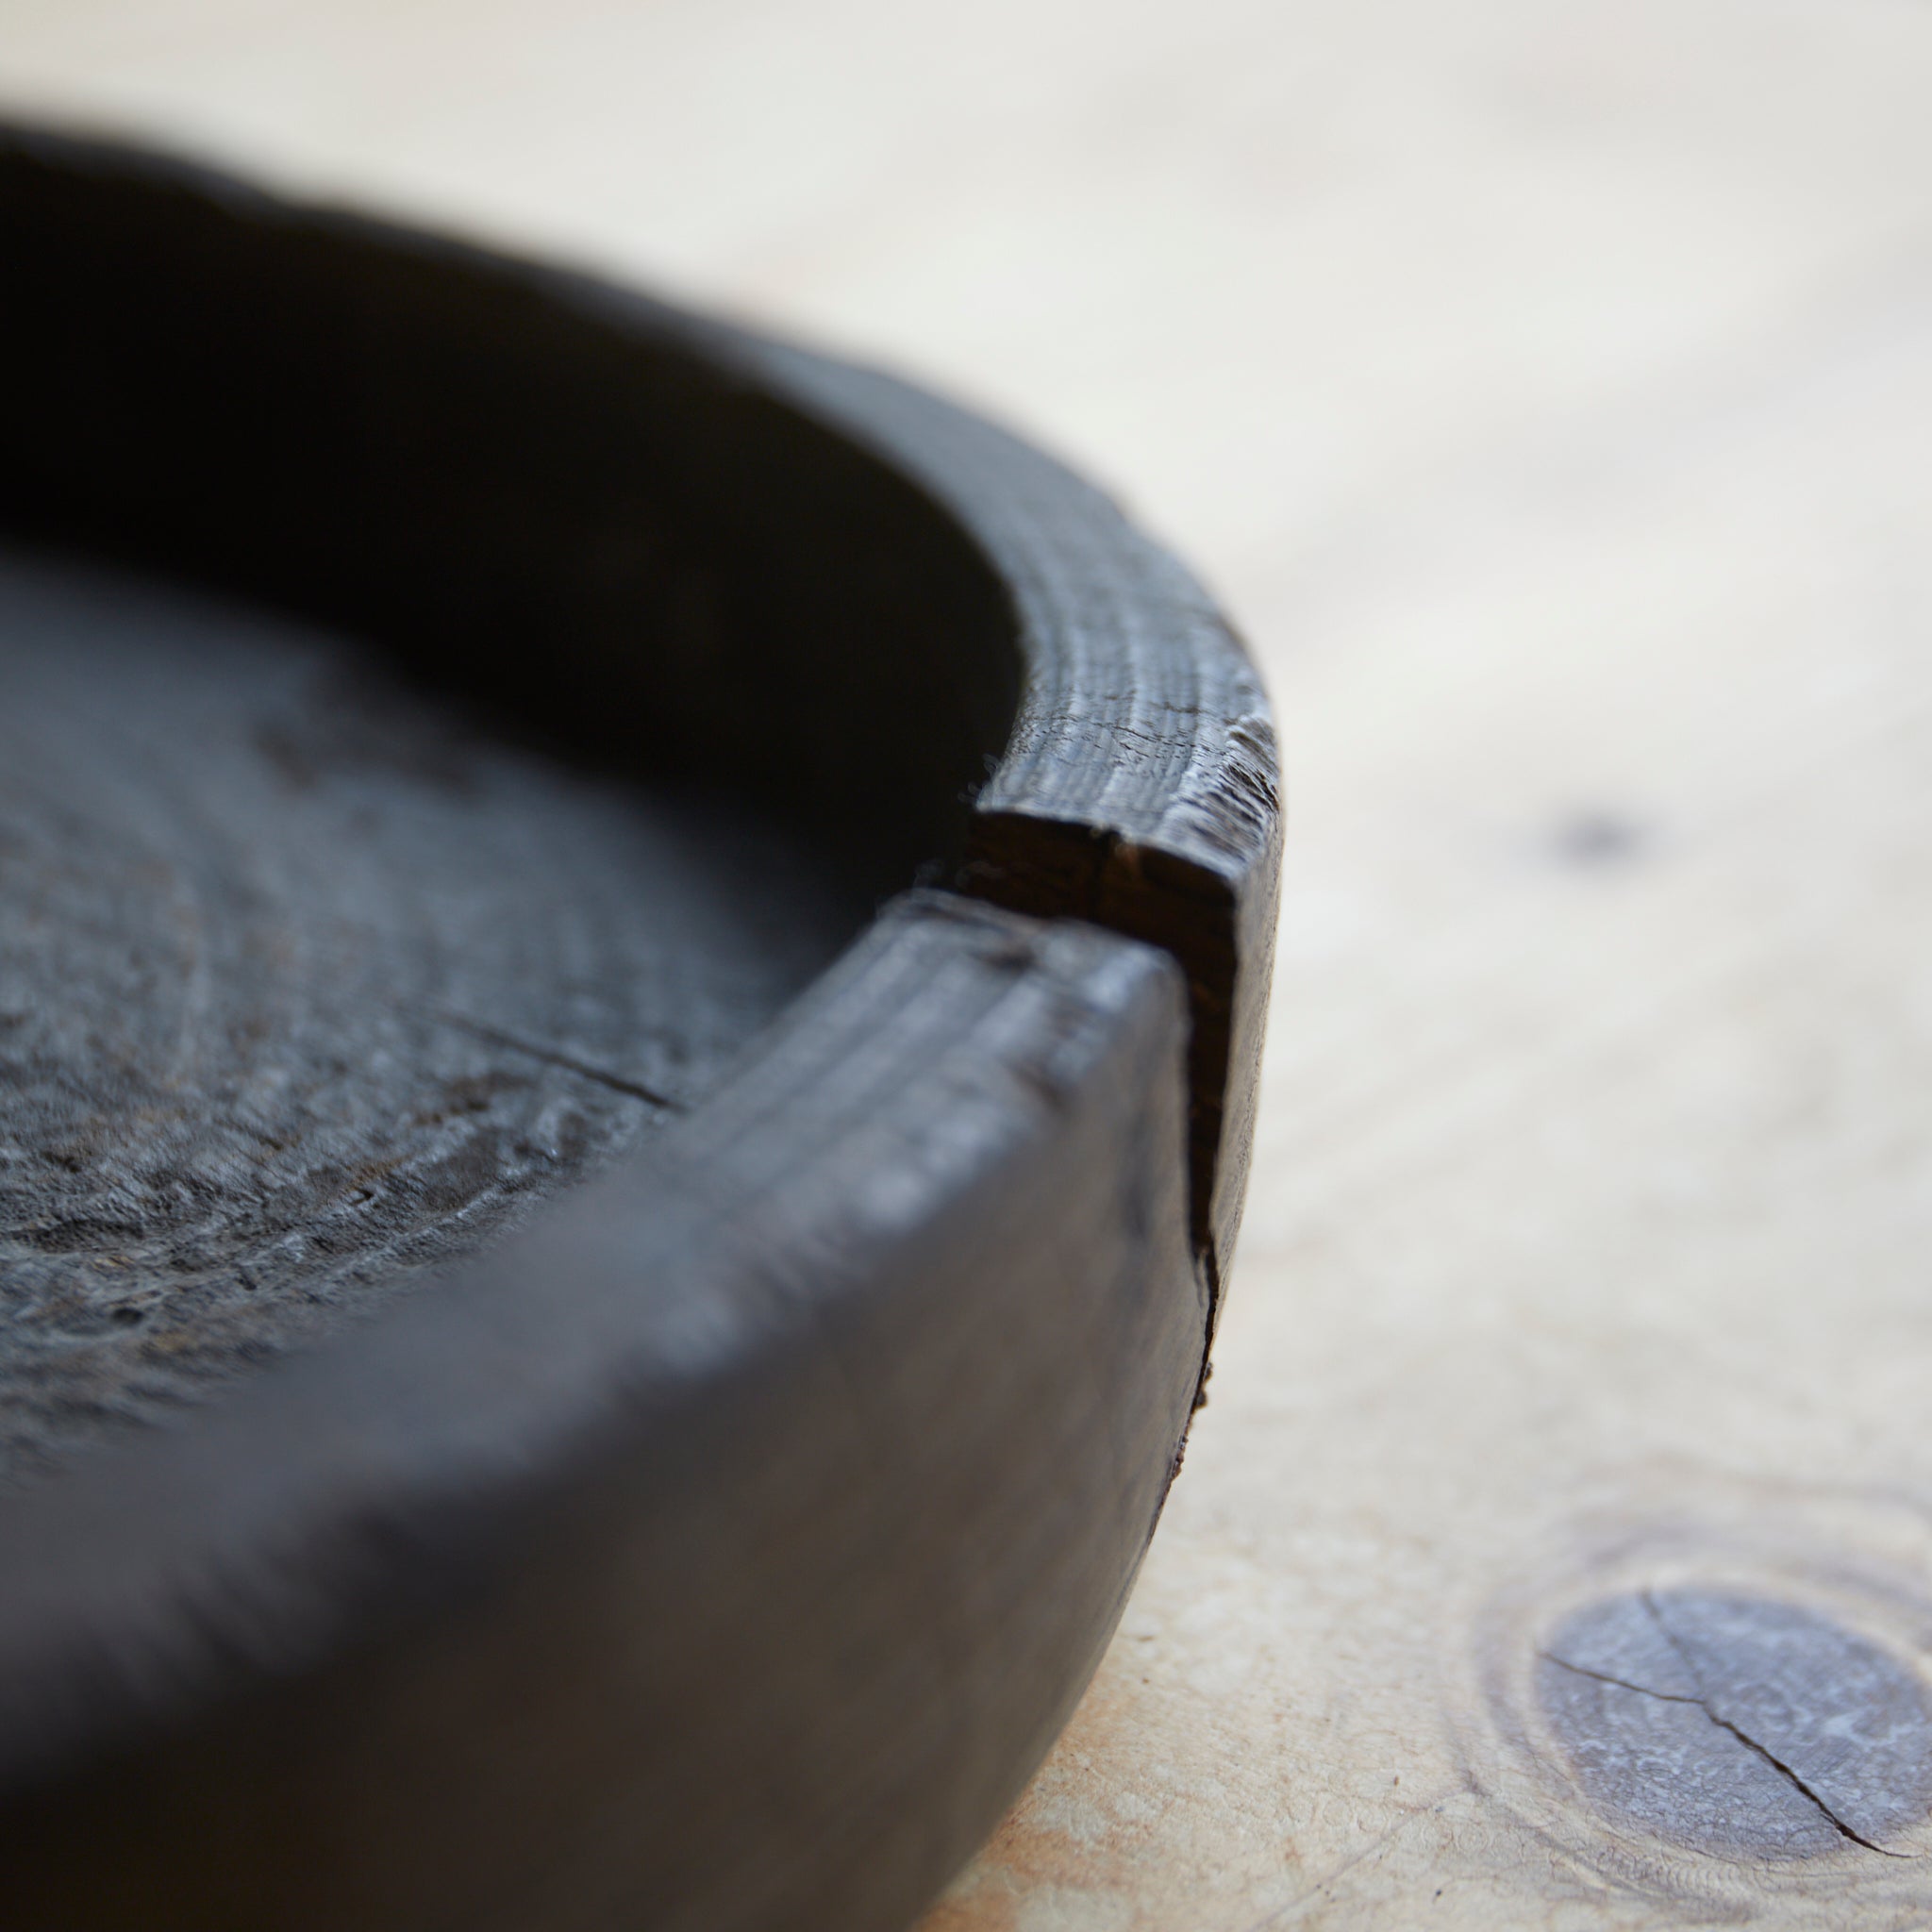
[(312, 985), (710, 1560), (724, 1551), (1547, 385)]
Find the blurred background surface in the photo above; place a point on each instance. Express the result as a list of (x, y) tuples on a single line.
[(1547, 389)]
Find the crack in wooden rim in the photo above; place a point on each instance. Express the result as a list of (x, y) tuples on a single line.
[(727, 1549)]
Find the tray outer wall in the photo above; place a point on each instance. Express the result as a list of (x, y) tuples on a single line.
[(725, 1551)]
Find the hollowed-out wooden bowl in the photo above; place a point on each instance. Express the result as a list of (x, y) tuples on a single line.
[(633, 970)]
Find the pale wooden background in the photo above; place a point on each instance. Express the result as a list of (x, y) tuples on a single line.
[(1548, 388)]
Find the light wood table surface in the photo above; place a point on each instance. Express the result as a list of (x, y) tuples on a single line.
[(1548, 389)]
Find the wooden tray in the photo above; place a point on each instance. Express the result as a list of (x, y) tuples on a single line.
[(634, 964)]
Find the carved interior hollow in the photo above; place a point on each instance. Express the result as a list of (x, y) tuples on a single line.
[(447, 711)]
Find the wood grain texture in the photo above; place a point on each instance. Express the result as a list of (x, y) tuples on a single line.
[(726, 1549), (1173, 833), (314, 985), (587, 447), (469, 1620), (1546, 388)]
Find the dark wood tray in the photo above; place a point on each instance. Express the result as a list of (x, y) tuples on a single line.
[(634, 969)]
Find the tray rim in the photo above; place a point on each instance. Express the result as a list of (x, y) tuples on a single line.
[(1120, 868)]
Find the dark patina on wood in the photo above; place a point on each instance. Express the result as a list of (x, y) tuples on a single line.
[(312, 987), (1740, 1725), (721, 1537)]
